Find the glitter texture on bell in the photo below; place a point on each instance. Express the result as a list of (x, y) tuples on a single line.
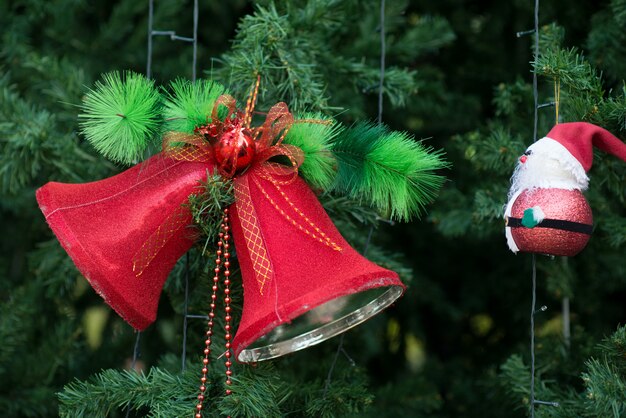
[(103, 224)]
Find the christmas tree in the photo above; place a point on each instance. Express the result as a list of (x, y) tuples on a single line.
[(456, 344)]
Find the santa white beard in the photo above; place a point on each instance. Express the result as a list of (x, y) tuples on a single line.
[(548, 164)]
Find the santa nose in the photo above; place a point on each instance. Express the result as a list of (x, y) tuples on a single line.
[(523, 158)]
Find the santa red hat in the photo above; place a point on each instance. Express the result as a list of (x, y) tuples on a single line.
[(579, 138)]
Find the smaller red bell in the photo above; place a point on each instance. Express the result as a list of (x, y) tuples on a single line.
[(103, 224)]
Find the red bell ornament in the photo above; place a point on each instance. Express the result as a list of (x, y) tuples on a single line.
[(109, 226), (303, 283), (308, 284)]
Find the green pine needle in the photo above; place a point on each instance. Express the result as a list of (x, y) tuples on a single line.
[(389, 170), (190, 104), (319, 166), (207, 206), (121, 116)]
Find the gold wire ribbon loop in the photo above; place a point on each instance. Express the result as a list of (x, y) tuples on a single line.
[(185, 147), (277, 124), (224, 100)]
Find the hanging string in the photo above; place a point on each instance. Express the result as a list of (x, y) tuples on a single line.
[(534, 265), (532, 337), (174, 37), (533, 311), (381, 83), (565, 309), (150, 24), (557, 99), (195, 40), (536, 53), (133, 364), (183, 356), (381, 80)]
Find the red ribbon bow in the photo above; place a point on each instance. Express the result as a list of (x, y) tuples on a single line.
[(241, 152)]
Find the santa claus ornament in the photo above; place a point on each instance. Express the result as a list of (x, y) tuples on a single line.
[(546, 211)]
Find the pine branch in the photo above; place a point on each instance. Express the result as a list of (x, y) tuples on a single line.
[(165, 394), (257, 392), (24, 131), (400, 84), (208, 204), (341, 400), (606, 40), (287, 45), (28, 402), (613, 349), (606, 389), (344, 210), (397, 398), (571, 69), (427, 34), (50, 264), (15, 319), (515, 376), (264, 45)]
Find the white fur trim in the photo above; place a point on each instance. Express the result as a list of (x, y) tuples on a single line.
[(553, 149), (538, 214), (507, 230)]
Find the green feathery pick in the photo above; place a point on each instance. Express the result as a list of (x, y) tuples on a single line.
[(121, 116), (189, 104), (387, 169), (314, 135)]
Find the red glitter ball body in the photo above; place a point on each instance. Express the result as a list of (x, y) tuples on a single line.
[(234, 150), (568, 205)]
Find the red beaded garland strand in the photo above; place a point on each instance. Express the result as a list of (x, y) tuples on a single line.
[(227, 327), (209, 333), (223, 249)]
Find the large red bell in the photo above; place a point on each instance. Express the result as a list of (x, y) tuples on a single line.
[(103, 225), (319, 285)]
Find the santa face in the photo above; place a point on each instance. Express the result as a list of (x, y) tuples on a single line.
[(547, 164)]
